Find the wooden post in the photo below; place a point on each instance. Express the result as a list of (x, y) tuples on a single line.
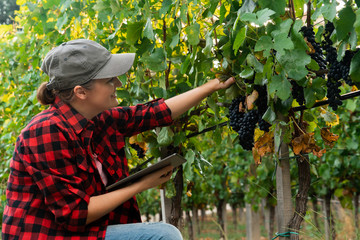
[(171, 208), (252, 223), (283, 187)]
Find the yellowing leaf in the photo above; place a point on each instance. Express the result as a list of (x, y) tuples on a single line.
[(263, 146), (328, 137)]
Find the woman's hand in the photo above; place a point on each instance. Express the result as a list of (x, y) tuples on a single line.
[(100, 205), (155, 179), (222, 84)]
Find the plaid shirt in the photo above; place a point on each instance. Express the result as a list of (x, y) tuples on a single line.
[(53, 174)]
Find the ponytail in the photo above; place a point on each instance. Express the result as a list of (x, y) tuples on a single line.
[(45, 96)]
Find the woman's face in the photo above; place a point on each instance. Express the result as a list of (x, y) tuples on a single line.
[(103, 94)]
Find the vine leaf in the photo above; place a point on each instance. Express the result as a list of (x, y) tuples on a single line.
[(259, 17), (355, 67), (239, 39), (305, 143), (328, 137), (193, 32), (133, 32), (264, 145), (281, 86), (346, 21)]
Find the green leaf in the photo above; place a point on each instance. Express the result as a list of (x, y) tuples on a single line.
[(190, 157), (115, 7), (259, 17), (148, 30), (269, 115), (357, 22), (253, 62), (239, 40), (179, 138), (351, 105), (281, 86), (157, 60), (310, 97), (264, 16), (185, 65), (133, 32), (165, 136), (212, 104), (247, 6), (295, 61), (313, 65), (345, 23), (277, 5), (247, 73), (329, 10), (355, 68), (282, 42), (165, 7), (264, 44), (193, 32), (249, 17), (209, 43), (101, 5), (309, 117), (222, 13), (61, 21)]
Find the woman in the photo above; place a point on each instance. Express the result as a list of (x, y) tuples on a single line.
[(66, 156)]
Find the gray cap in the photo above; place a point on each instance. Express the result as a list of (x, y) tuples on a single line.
[(78, 61)]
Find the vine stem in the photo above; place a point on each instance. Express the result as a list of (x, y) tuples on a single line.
[(308, 14), (294, 121), (292, 9)]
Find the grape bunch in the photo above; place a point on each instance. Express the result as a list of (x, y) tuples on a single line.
[(345, 68), (334, 75), (244, 123), (139, 150), (235, 115), (262, 106), (318, 55)]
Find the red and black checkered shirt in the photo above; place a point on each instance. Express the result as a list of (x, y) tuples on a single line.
[(53, 174)]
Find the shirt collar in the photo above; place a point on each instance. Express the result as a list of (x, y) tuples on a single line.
[(77, 121)]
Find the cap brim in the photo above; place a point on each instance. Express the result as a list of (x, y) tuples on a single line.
[(118, 65)]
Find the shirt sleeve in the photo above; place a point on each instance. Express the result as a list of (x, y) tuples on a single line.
[(142, 117), (48, 157)]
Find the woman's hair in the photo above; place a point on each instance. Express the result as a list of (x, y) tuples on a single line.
[(46, 97)]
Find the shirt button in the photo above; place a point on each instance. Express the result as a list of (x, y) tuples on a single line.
[(112, 171)]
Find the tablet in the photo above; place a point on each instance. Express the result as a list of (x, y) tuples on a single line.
[(174, 160)]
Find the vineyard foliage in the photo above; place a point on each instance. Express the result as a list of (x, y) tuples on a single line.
[(180, 44)]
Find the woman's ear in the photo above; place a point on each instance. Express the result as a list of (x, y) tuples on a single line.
[(80, 92)]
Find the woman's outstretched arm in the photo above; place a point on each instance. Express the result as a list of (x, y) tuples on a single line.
[(183, 102)]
